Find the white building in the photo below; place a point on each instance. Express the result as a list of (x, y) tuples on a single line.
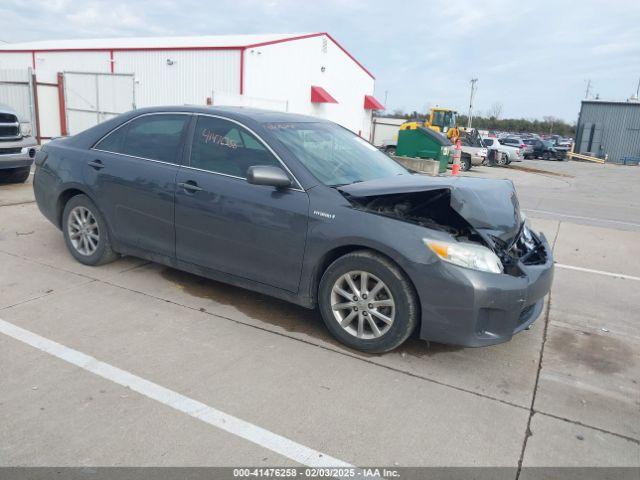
[(310, 74)]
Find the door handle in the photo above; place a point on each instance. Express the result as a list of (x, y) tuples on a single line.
[(190, 186), (97, 164)]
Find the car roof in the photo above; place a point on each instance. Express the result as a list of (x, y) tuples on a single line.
[(236, 113)]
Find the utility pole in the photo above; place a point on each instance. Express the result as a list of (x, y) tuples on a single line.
[(638, 89), (586, 93), (386, 94), (474, 82)]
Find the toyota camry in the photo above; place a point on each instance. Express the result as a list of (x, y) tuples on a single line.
[(301, 209)]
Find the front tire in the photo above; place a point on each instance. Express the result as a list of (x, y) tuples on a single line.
[(367, 302), (391, 151), (86, 233), (502, 161)]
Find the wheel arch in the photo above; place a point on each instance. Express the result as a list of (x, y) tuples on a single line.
[(64, 196), (336, 252)]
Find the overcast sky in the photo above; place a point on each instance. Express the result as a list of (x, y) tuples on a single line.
[(534, 58)]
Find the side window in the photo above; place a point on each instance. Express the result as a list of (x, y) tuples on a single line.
[(222, 146), (156, 137), (113, 141)]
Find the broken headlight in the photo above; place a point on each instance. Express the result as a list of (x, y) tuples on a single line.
[(467, 255)]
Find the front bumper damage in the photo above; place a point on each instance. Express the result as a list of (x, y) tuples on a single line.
[(459, 305), (484, 308)]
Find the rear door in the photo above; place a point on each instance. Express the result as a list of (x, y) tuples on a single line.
[(132, 173), (226, 224)]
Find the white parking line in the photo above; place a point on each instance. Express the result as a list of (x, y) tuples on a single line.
[(236, 426), (593, 219), (599, 272)]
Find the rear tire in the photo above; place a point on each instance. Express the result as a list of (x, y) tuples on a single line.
[(376, 324), (86, 233), (391, 151), (15, 175), (546, 156), (502, 161)]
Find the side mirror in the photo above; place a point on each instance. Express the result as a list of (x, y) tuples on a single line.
[(268, 175)]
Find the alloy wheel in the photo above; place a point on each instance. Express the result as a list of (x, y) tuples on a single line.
[(83, 231), (362, 305)]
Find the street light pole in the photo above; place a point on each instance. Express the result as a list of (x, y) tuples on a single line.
[(474, 81)]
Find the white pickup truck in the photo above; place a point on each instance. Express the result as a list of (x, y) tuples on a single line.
[(17, 147)]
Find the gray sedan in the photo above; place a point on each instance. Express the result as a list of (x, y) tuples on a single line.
[(303, 210)]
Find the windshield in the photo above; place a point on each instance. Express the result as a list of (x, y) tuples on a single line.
[(450, 119), (334, 155)]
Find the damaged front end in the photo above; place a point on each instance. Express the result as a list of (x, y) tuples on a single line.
[(478, 212)]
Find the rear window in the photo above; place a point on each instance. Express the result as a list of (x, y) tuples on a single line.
[(156, 137)]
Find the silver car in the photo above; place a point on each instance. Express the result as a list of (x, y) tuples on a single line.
[(17, 147)]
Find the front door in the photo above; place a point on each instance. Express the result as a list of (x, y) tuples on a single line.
[(225, 224), (132, 174)]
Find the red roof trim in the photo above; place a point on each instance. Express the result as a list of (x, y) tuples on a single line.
[(230, 47), (320, 95), (371, 103), (311, 35), (282, 40), (119, 49), (349, 55)]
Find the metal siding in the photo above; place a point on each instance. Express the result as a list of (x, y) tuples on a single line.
[(15, 60), (48, 64), (286, 71), (190, 79), (617, 128), (15, 91), (49, 110)]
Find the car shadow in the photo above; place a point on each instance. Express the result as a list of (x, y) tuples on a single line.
[(290, 317)]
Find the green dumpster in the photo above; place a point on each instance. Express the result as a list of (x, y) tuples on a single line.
[(424, 143)]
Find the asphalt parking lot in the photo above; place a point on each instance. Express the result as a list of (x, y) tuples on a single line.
[(249, 380)]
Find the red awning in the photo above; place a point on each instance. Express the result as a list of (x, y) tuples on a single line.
[(320, 95), (370, 103)]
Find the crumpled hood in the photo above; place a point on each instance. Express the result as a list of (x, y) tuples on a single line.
[(490, 206)]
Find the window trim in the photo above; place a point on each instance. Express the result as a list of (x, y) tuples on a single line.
[(126, 124), (297, 186)]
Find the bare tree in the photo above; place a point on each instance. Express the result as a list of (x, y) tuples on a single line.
[(550, 119), (496, 110)]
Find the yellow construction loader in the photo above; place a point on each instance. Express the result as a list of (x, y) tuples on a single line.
[(441, 120)]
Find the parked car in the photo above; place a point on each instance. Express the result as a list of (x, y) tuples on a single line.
[(304, 210), (17, 147), (564, 143), (473, 153), (545, 150), (517, 142), (508, 153)]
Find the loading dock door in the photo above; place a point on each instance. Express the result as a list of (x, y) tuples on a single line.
[(92, 98)]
